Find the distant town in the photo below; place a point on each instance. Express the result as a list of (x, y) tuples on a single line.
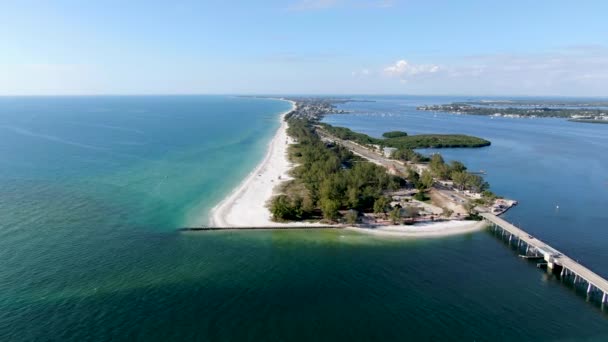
[(576, 111), (314, 108)]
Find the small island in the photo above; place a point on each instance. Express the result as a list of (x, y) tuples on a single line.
[(403, 141)]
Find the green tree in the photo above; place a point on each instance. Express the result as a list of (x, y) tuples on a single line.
[(443, 172), (351, 216), (488, 197), (456, 166), (436, 162), (412, 176), (459, 178), (296, 208), (395, 215), (330, 187), (421, 195), (329, 207), (410, 211), (281, 208), (352, 195), (394, 134), (407, 154), (426, 178), (381, 205), (476, 183), (308, 205)]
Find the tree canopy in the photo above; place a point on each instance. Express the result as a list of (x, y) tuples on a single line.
[(327, 179), (394, 134), (398, 140)]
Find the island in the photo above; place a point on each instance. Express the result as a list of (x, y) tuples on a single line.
[(377, 184), (574, 111), (319, 176), (402, 140)]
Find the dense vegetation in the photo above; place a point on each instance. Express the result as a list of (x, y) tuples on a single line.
[(457, 173), (409, 155), (329, 179), (436, 141), (347, 134), (332, 183), (407, 141), (394, 134)]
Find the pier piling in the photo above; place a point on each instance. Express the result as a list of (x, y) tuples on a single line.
[(556, 261)]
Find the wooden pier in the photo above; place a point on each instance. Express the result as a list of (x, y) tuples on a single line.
[(556, 261)]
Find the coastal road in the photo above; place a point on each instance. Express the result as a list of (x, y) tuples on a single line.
[(449, 196), (364, 152)]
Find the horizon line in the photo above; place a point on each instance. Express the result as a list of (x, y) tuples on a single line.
[(298, 94)]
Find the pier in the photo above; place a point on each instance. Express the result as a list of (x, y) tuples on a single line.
[(556, 261)]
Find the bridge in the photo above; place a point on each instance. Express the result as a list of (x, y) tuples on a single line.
[(556, 261)]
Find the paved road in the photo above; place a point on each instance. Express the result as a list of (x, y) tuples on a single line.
[(364, 152), (379, 159)]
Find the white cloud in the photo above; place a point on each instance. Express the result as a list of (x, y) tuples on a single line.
[(403, 69), (574, 71)]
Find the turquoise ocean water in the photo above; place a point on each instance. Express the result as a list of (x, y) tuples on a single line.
[(93, 188)]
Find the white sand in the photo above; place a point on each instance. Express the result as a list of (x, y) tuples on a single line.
[(435, 229), (246, 206)]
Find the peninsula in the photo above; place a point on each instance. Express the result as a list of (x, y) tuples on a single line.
[(316, 174)]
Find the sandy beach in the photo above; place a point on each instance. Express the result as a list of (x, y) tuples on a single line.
[(246, 205), (435, 229)]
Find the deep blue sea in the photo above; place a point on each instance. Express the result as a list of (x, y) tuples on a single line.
[(92, 190)]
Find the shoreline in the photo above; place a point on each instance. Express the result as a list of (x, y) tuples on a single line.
[(419, 230), (434, 229), (245, 206)]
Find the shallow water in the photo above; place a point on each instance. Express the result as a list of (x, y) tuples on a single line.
[(89, 251)]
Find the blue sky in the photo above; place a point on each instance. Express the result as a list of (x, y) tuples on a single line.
[(304, 46)]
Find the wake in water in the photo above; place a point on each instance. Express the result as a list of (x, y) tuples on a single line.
[(53, 138)]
